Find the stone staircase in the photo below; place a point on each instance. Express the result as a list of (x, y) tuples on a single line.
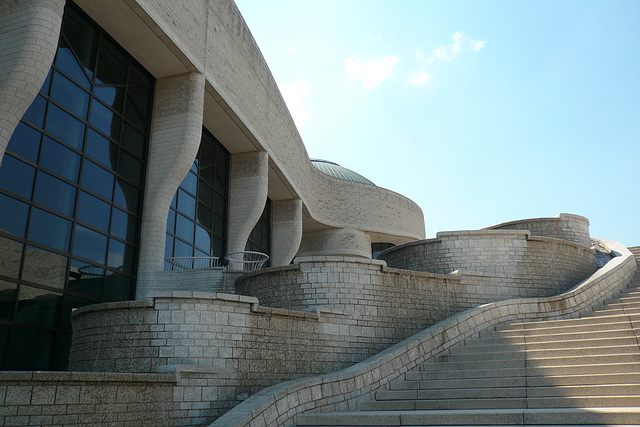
[(583, 371)]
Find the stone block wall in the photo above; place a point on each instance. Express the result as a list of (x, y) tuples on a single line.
[(88, 399), (573, 228), (544, 263)]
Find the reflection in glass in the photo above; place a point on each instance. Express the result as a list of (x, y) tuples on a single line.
[(16, 176), (90, 245), (16, 223), (10, 257), (55, 194), (117, 288), (65, 127), (25, 142), (29, 349), (69, 95), (66, 62), (44, 267), (35, 113), (132, 140), (130, 167), (81, 36), (102, 118), (186, 204), (8, 292), (184, 228), (93, 211), (112, 64), (38, 306), (49, 229), (112, 96), (86, 279), (127, 196), (123, 225), (101, 149), (60, 160), (97, 180)]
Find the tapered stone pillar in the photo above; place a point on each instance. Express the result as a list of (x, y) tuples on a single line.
[(248, 189), (176, 129), (29, 32), (286, 230), (336, 241)]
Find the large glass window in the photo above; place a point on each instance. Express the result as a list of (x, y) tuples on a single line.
[(71, 183), (260, 237), (197, 222)]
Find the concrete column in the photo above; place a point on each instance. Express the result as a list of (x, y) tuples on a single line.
[(176, 130), (336, 241), (29, 32), (286, 230), (248, 187)]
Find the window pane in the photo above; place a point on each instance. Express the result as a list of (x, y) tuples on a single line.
[(190, 183), (168, 247), (132, 140), (8, 292), (186, 204), (69, 95), (66, 62), (65, 127), (118, 288), (102, 118), (138, 77), (86, 279), (10, 257), (112, 64), (93, 211), (16, 221), (90, 244), (127, 196), (184, 228), (218, 204), (55, 194), (44, 267), (102, 150), (171, 221), (124, 225), (121, 256), (182, 249), (205, 193), (205, 217), (49, 229), (130, 167), (29, 349), (16, 176), (81, 36), (60, 160), (35, 113), (133, 115), (98, 180), (141, 99), (47, 83), (25, 142), (112, 96), (38, 306), (203, 240)]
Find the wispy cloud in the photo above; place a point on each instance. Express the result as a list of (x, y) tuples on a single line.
[(371, 72), (477, 44), (452, 51), (419, 78), (293, 95)]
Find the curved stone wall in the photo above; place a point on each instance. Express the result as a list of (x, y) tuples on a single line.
[(342, 390), (541, 262), (573, 228)]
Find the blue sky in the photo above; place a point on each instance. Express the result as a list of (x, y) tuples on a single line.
[(480, 112)]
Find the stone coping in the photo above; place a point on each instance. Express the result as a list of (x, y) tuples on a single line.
[(84, 377), (558, 217), (342, 390)]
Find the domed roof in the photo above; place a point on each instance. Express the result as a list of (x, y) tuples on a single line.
[(337, 171)]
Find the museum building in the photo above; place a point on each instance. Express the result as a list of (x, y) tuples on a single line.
[(132, 134)]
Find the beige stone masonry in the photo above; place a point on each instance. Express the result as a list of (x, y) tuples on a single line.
[(336, 242), (29, 31), (343, 390), (570, 227), (176, 129)]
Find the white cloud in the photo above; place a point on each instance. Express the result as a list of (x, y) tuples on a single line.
[(478, 44), (293, 95), (450, 52), (371, 72), (291, 49), (419, 78)]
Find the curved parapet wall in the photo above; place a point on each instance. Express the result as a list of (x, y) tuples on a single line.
[(538, 262), (343, 390), (573, 228)]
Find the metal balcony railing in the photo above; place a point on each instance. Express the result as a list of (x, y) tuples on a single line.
[(235, 261)]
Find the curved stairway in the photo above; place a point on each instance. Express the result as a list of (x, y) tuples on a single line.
[(583, 371)]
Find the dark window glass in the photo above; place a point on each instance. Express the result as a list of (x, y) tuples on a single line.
[(168, 247), (204, 217), (98, 180), (182, 249), (184, 228), (121, 256), (69, 95), (112, 96), (105, 120), (25, 142), (130, 167), (16, 176), (49, 229), (112, 64), (93, 211), (132, 140), (117, 288), (101, 149), (67, 62), (90, 245), (190, 183), (377, 248), (124, 225), (44, 267), (29, 349), (134, 115), (38, 306), (141, 100), (86, 279), (186, 204), (47, 83), (60, 159), (217, 247), (8, 292), (65, 127), (171, 221), (203, 239), (16, 223), (205, 194), (127, 196), (71, 302), (35, 113), (55, 194), (81, 36), (137, 77), (218, 204)]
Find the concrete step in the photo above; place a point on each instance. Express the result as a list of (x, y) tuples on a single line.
[(518, 381), (564, 355), (582, 323), (499, 368), (618, 338), (505, 337), (603, 416)]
